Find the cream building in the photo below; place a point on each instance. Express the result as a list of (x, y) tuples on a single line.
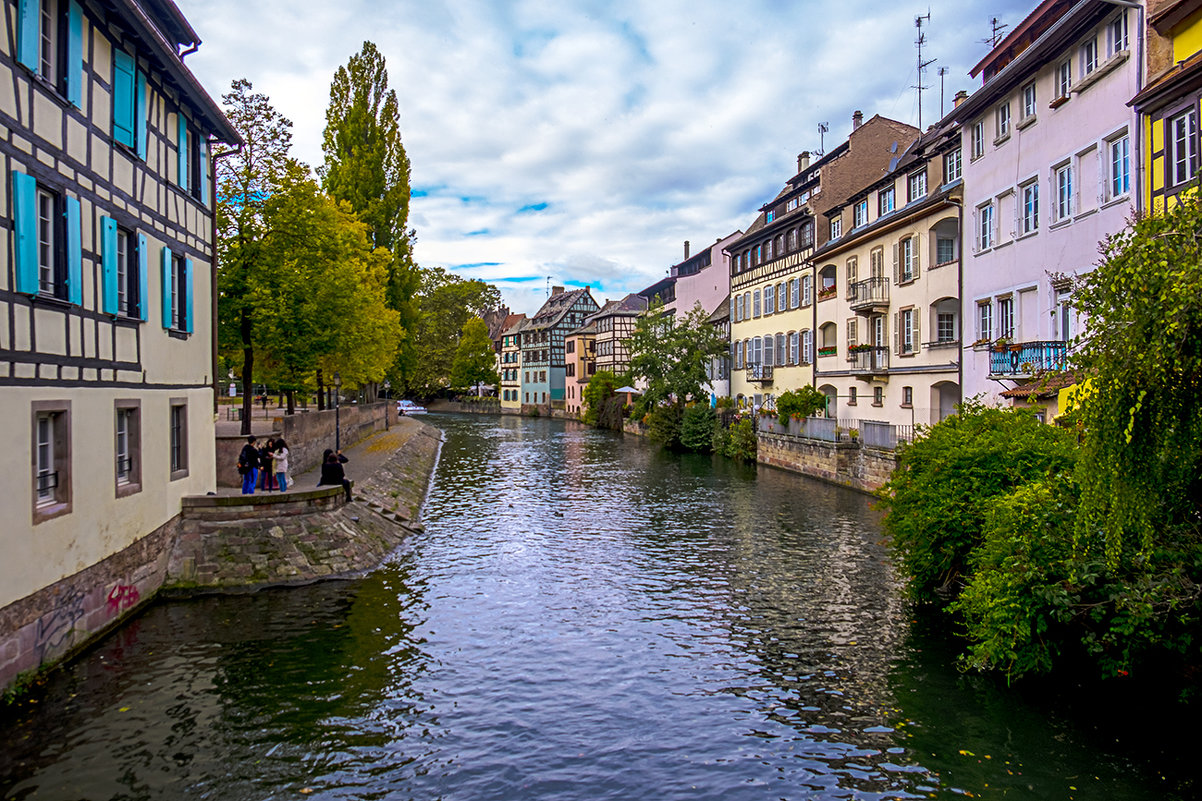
[(888, 312), (509, 363), (106, 310)]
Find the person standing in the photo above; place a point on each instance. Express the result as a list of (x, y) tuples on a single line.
[(280, 462), (248, 465), (265, 455), (333, 474)]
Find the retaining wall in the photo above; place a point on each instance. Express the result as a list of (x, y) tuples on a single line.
[(848, 464)]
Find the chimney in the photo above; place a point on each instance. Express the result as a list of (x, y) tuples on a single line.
[(686, 250), (857, 119), (960, 97), (556, 290), (803, 160)]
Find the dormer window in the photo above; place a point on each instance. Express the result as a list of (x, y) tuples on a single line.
[(886, 201), (860, 214), (769, 216)]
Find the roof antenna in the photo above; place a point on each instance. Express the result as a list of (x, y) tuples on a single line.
[(823, 128), (942, 72), (548, 286), (996, 32), (922, 65)]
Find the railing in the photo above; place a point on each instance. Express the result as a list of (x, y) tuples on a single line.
[(759, 372), (873, 359), (869, 293), (1027, 358), (869, 433), (886, 436)]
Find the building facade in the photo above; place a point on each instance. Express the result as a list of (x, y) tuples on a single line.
[(1048, 172), (107, 352), (509, 362), (580, 364), (542, 342), (615, 323)]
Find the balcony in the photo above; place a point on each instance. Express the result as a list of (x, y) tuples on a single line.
[(1025, 359), (869, 360), (870, 296), (759, 372)]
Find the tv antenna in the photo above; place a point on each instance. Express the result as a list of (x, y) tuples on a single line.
[(996, 31), (823, 128), (548, 286), (942, 72), (922, 65)]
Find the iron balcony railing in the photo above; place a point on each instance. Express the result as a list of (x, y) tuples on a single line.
[(759, 372), (1024, 359), (874, 359), (871, 293)]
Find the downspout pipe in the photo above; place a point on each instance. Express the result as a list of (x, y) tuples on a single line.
[(213, 258)]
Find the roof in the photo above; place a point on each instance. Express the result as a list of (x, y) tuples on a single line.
[(557, 306), (658, 287), (1183, 78), (1042, 387), (142, 22), (631, 305), (171, 22), (721, 312), (1025, 32), (508, 323)]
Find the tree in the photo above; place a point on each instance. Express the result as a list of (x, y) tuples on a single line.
[(671, 356), (446, 301), (246, 178), (475, 359), (599, 397), (366, 166)]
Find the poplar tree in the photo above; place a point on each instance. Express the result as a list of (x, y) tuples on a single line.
[(366, 166), (246, 178), (475, 359)]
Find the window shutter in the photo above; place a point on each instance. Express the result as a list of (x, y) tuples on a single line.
[(108, 265), (917, 335), (202, 180), (28, 33), (795, 293), (807, 286), (165, 270), (851, 333), (140, 111), (182, 150), (976, 231), (74, 251), (123, 98), (187, 290), (896, 268), (782, 300), (25, 212), (769, 350), (794, 347), (74, 76), (807, 347), (143, 283), (897, 332), (917, 240)]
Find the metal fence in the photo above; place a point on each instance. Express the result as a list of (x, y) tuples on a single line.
[(870, 433)]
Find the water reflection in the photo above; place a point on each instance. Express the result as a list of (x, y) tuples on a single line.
[(584, 618)]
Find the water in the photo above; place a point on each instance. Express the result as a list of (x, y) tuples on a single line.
[(584, 618)]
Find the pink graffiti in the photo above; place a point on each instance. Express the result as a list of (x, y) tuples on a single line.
[(122, 597)]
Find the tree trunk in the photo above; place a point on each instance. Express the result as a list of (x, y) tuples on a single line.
[(321, 392), (290, 395), (248, 372)]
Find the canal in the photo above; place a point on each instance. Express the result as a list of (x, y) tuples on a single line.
[(583, 618)]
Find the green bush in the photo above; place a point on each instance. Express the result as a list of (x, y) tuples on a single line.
[(800, 402), (663, 425), (741, 441), (937, 497), (697, 429)]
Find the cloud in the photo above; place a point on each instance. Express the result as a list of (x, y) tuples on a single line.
[(584, 141)]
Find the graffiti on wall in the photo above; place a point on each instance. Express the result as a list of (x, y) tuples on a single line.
[(122, 597), (54, 629)]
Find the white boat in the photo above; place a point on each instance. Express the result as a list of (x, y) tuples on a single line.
[(407, 407)]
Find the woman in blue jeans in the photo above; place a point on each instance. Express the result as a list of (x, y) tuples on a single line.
[(248, 465)]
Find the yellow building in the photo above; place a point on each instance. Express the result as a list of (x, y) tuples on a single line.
[(1168, 103)]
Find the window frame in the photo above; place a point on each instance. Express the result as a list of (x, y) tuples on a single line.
[(886, 200), (57, 454), (1064, 79), (1005, 317), (860, 213), (177, 439), (1029, 208), (953, 165), (1063, 180), (131, 411), (1118, 184), (978, 139), (984, 235), (1174, 163), (1030, 100), (916, 185), (1002, 121)]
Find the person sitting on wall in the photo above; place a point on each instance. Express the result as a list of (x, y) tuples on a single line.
[(248, 465), (332, 473)]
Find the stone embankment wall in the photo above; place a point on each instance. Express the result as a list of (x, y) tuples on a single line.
[(308, 434), (847, 464)]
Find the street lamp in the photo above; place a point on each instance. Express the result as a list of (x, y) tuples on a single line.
[(337, 417)]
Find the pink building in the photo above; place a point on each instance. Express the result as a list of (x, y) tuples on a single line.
[(1050, 148)]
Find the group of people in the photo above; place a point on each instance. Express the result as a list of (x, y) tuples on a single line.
[(269, 464), (265, 465)]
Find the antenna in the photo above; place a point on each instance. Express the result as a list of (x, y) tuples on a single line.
[(922, 65), (942, 72), (548, 286), (823, 128), (996, 28)]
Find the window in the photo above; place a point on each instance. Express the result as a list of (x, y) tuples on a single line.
[(945, 250), (906, 259), (1120, 166), (905, 330), (125, 271), (836, 228), (1116, 34), (807, 234), (945, 327), (177, 292), (907, 396), (782, 353), (860, 214), (1030, 208), (769, 299), (807, 347), (984, 321), (791, 239), (1183, 147), (129, 103), (756, 351), (769, 216), (738, 308), (807, 290), (885, 201), (852, 269), (781, 298), (51, 459), (876, 262), (127, 447), (978, 139), (1064, 78), (794, 293), (1003, 120), (1064, 316), (852, 396), (756, 302), (768, 250), (1089, 56), (917, 186), (985, 227), (952, 166), (852, 332), (49, 278), (794, 347), (1029, 100), (1064, 192), (48, 39), (792, 204), (878, 396), (1005, 318)]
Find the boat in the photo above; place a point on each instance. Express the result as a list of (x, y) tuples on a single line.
[(408, 407)]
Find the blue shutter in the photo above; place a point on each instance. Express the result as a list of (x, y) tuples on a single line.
[(123, 98), (166, 274), (140, 111), (25, 212), (28, 22), (143, 288), (202, 180), (188, 295), (183, 151), (74, 75), (74, 251), (108, 265)]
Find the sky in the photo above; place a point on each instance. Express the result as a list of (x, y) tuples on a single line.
[(580, 144)]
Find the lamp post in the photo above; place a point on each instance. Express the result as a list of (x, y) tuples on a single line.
[(337, 417)]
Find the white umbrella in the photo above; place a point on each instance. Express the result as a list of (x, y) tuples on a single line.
[(630, 390)]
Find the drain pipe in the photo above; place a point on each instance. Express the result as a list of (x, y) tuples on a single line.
[(237, 149)]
